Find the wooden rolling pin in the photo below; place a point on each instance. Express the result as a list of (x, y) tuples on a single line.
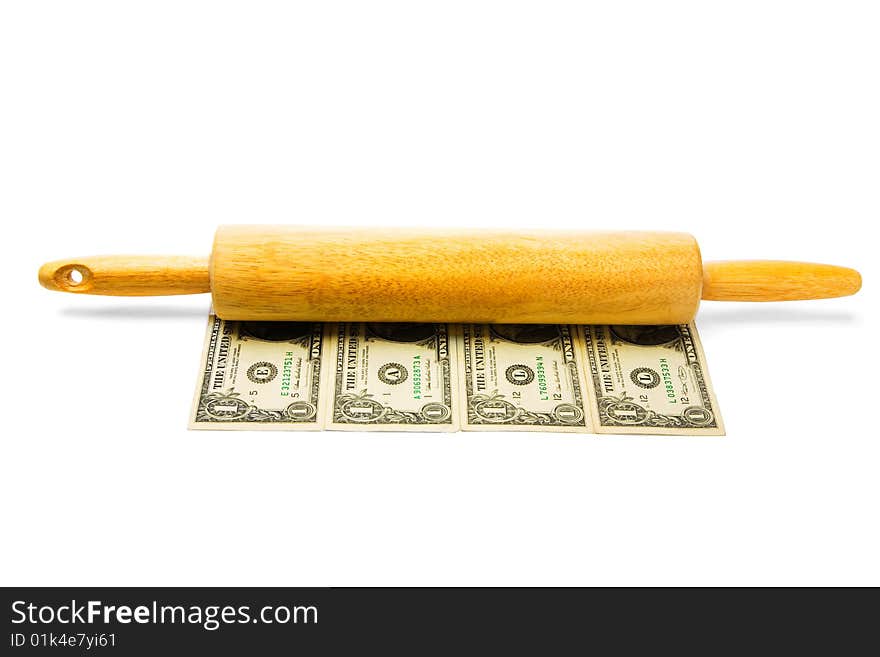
[(293, 273)]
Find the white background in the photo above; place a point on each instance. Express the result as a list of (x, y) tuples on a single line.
[(137, 127)]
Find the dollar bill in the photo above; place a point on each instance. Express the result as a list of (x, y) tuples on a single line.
[(521, 377), (437, 377), (648, 379), (391, 377), (260, 375)]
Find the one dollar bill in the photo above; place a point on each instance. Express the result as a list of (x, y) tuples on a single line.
[(260, 375), (521, 377), (391, 377), (439, 377), (649, 380)]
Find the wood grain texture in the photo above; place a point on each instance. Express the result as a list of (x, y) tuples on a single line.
[(776, 280), (422, 275), (289, 273), (127, 276)]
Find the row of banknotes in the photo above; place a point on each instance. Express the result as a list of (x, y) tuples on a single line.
[(450, 377)]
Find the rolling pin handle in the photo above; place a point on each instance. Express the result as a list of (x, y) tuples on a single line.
[(127, 276), (776, 280)]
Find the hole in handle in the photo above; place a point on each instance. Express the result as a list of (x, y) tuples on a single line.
[(73, 278)]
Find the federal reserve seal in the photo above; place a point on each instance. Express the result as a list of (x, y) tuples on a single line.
[(645, 377), (392, 374), (262, 372), (519, 374)]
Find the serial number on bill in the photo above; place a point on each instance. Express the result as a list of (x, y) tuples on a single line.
[(62, 640)]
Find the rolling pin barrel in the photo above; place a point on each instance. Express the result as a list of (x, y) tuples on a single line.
[(288, 273), (406, 275)]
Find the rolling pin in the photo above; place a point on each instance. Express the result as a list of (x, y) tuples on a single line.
[(290, 273)]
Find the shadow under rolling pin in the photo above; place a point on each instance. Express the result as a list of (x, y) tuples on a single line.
[(299, 273)]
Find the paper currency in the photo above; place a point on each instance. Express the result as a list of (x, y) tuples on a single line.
[(648, 379), (391, 377), (260, 375), (520, 377), (439, 377)]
